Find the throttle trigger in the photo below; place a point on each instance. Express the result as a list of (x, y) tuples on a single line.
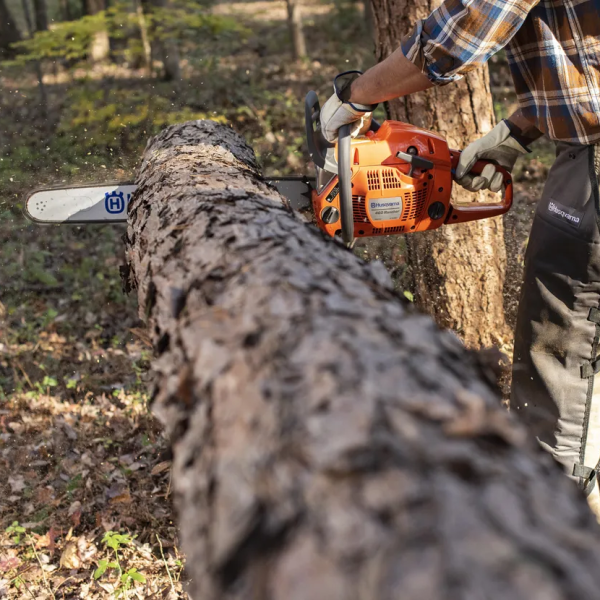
[(415, 162)]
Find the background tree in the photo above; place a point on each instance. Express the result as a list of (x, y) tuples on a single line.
[(457, 273), (41, 15), (66, 12), (9, 31), (100, 47), (294, 16)]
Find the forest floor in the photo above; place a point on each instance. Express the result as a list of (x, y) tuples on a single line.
[(85, 506)]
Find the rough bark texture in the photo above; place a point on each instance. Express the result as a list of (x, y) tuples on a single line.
[(296, 30), (329, 443), (458, 271)]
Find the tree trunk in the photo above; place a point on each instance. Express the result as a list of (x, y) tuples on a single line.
[(100, 48), (143, 25), (168, 51), (41, 15), (37, 65), (368, 16), (65, 10), (296, 31), (9, 31), (329, 443), (457, 272)]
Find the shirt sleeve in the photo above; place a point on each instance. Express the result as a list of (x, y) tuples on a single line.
[(460, 35)]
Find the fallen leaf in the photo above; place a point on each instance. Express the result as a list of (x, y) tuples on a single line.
[(160, 467), (123, 498), (44, 494), (87, 550), (9, 562), (48, 540), (75, 507), (108, 523), (69, 559), (17, 483)]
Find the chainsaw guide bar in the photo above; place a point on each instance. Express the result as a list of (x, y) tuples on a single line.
[(107, 203)]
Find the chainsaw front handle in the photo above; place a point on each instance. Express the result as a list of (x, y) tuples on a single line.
[(344, 148), (463, 213)]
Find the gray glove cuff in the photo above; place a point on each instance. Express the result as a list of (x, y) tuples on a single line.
[(516, 136), (342, 86)]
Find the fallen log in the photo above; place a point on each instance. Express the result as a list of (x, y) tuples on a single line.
[(329, 442)]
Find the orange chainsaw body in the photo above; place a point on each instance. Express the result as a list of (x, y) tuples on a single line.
[(389, 195)]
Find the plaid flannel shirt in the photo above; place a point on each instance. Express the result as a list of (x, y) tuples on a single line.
[(553, 49)]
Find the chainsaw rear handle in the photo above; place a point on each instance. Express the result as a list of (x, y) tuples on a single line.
[(462, 213)]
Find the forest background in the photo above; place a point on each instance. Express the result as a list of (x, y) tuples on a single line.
[(85, 509)]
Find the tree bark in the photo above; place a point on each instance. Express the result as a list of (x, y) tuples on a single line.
[(100, 47), (296, 30), (9, 31), (37, 64), (168, 51), (457, 272), (65, 10), (41, 15), (143, 25), (329, 443)]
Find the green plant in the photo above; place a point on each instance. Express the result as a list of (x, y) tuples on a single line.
[(16, 531), (70, 40), (115, 541), (74, 483), (45, 385)]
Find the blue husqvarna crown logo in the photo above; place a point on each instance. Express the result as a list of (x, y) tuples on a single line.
[(114, 202)]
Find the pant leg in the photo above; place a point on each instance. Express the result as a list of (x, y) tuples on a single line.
[(555, 387)]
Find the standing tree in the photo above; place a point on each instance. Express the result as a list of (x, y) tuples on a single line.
[(100, 48), (169, 50), (9, 31), (37, 64), (457, 272), (296, 31), (65, 10), (143, 26), (41, 15)]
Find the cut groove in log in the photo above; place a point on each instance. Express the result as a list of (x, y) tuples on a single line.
[(329, 442)]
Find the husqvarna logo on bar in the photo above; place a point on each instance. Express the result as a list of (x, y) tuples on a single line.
[(114, 202)]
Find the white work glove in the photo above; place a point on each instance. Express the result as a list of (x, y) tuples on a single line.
[(498, 145), (338, 111)]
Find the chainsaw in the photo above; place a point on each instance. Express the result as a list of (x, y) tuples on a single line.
[(395, 179)]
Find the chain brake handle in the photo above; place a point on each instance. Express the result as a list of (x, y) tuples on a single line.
[(344, 147), (463, 213)]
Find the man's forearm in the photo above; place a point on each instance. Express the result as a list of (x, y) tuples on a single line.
[(394, 77)]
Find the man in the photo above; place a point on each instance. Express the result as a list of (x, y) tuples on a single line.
[(553, 48)]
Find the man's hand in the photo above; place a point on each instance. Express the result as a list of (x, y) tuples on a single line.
[(339, 111), (498, 145)]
